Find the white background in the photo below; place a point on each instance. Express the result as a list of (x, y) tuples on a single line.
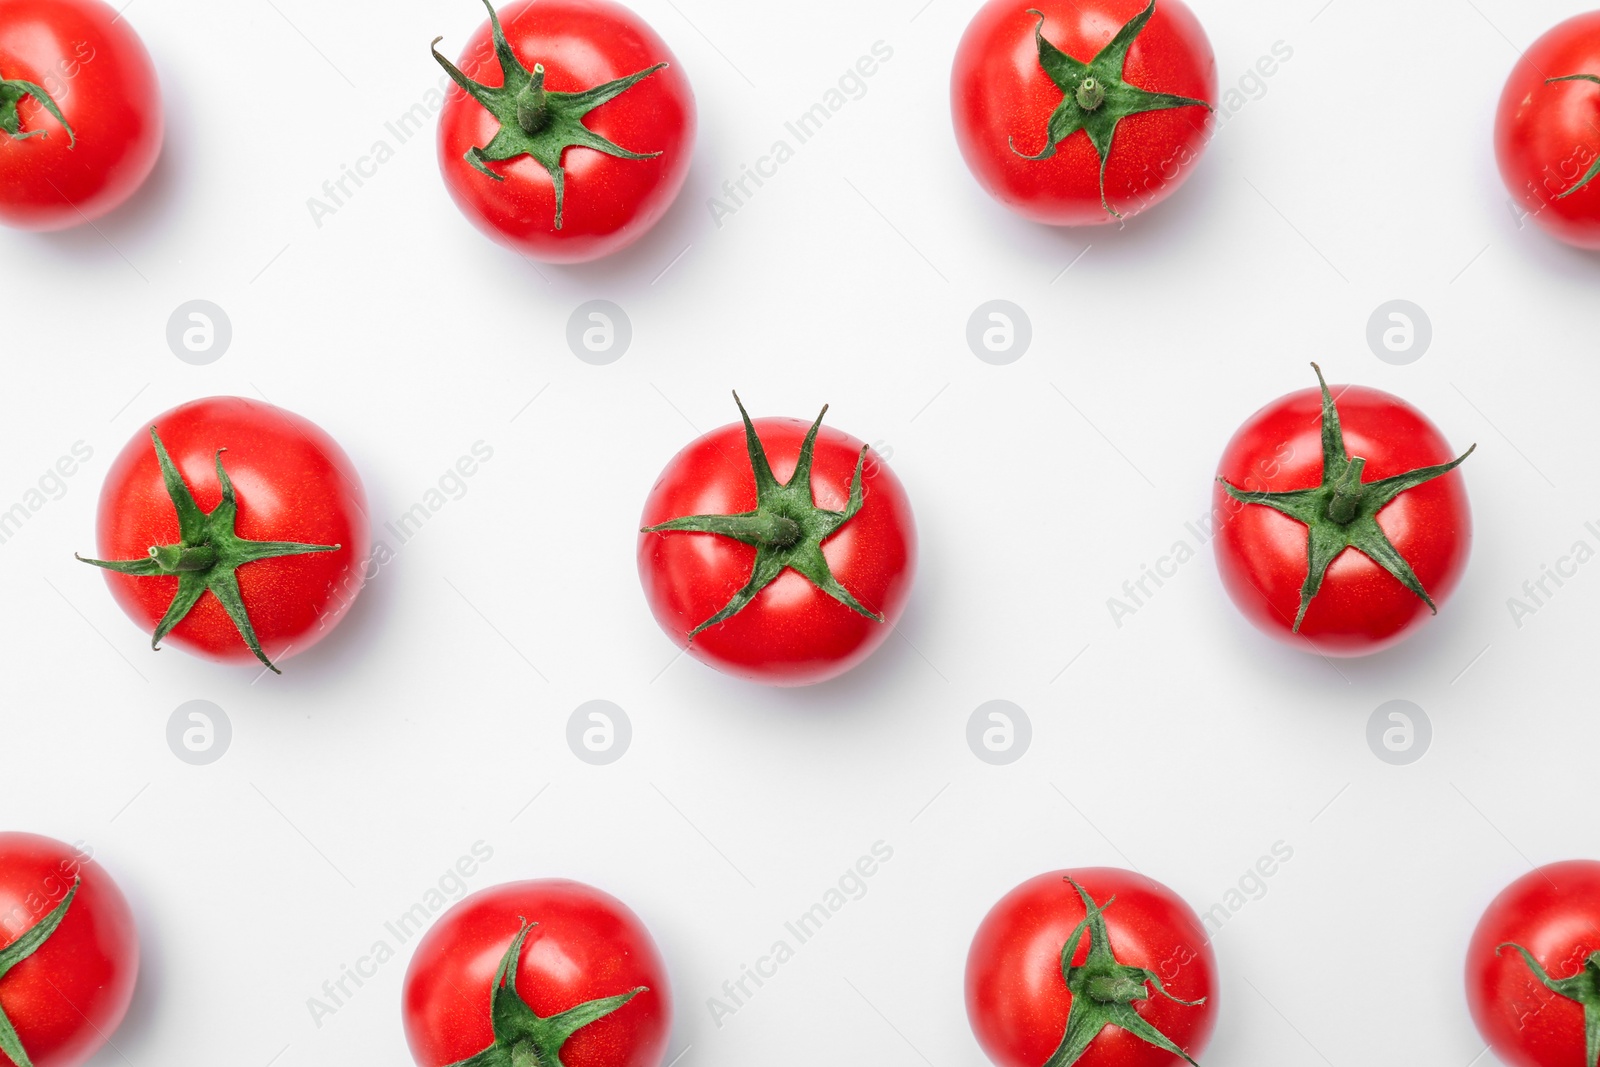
[(1182, 743)]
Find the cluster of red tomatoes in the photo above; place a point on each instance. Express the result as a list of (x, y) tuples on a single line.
[(778, 550)]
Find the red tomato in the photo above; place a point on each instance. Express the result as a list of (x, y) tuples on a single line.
[(296, 491), (1141, 940), (1092, 114), (786, 627), (67, 993), (621, 164), (1529, 1018), (1364, 602), (80, 112), (1547, 131), (537, 957)]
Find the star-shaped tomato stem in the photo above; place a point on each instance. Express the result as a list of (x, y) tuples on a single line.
[(1104, 990), (206, 556), (1095, 97), (1342, 512), (15, 953), (11, 94), (786, 527), (1583, 987), (535, 121), (1594, 168), (521, 1037)]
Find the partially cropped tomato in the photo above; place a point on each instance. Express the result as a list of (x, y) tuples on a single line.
[(1076, 112), (573, 131), (1097, 967), (1547, 131), (778, 551), (1533, 968), (1341, 522), (69, 954), (234, 529), (542, 972), (80, 112)]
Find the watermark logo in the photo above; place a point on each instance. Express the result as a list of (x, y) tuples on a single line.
[(599, 732), (199, 332), (1399, 332), (999, 332), (599, 332), (199, 732), (1399, 732), (999, 732)]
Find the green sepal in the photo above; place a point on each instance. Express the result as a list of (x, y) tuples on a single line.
[(1095, 98), (521, 1037), (786, 527), (1582, 987), (207, 555), (535, 121), (11, 94), (1104, 991), (15, 953), (1594, 168), (1342, 512)]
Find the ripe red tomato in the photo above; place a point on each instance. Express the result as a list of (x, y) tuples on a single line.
[(1547, 131), (80, 112), (547, 971), (1092, 111), (69, 954), (1097, 967), (1304, 479), (788, 575), (1533, 968), (268, 579), (528, 161)]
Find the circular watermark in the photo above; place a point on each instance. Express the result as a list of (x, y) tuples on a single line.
[(1399, 732), (598, 732), (999, 732), (1399, 332), (199, 332), (998, 332), (599, 332), (198, 732)]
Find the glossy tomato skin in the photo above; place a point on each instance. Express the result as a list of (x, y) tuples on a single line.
[(1261, 553), (792, 633), (586, 945), (69, 996), (97, 70), (610, 202), (294, 483), (999, 94), (1554, 913), (1017, 999), (1545, 136)]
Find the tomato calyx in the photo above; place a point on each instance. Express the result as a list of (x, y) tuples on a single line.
[(521, 1037), (11, 94), (1594, 168), (1342, 512), (786, 527), (20, 949), (535, 121), (1104, 990), (1095, 98), (1582, 987), (206, 556)]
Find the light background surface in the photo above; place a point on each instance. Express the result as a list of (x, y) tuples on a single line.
[(1180, 743)]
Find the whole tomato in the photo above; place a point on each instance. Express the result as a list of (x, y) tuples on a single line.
[(573, 132), (80, 112), (538, 972), (1077, 112), (777, 552), (1547, 131), (235, 529), (1533, 968), (1306, 479), (69, 953), (1097, 967)]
